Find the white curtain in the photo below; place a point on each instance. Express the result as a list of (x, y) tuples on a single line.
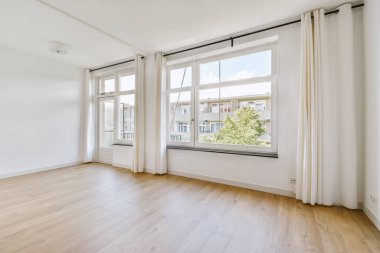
[(89, 118), (327, 145), (160, 166), (139, 129)]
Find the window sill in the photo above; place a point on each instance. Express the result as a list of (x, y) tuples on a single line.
[(223, 151), (122, 144)]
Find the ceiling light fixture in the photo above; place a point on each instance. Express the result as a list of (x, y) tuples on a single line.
[(57, 47)]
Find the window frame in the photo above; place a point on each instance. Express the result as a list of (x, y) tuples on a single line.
[(115, 96), (101, 81), (196, 87), (177, 90)]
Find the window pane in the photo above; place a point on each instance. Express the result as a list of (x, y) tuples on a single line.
[(126, 117), (240, 116), (180, 77), (209, 73), (208, 115), (107, 123), (180, 117), (108, 85), (246, 66), (127, 82)]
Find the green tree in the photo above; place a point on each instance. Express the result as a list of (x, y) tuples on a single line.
[(243, 128)]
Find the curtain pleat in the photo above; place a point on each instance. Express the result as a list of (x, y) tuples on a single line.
[(160, 166), (89, 118), (139, 113), (326, 157)]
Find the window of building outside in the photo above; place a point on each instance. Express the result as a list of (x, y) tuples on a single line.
[(224, 101)]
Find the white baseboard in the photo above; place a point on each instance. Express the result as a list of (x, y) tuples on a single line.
[(150, 171), (35, 170), (262, 188), (121, 166), (372, 217)]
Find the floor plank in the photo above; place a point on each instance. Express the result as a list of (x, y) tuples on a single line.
[(99, 208)]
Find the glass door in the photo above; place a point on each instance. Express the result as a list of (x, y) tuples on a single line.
[(106, 129)]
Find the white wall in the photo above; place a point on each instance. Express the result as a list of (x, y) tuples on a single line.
[(41, 113), (122, 156), (372, 75)]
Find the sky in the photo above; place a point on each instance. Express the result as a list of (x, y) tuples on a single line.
[(126, 83), (235, 68), (127, 99)]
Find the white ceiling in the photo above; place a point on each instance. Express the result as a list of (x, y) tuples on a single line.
[(98, 32)]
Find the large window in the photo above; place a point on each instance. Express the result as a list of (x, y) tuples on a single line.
[(116, 106), (224, 102)]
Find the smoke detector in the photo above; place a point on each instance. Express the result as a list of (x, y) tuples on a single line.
[(57, 47)]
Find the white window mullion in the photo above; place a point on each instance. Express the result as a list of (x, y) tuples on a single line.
[(176, 90), (126, 92), (195, 103), (219, 100), (116, 110), (238, 82)]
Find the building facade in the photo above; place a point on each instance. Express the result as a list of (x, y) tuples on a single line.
[(212, 115)]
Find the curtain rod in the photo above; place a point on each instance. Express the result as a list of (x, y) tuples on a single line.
[(115, 64), (232, 38)]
